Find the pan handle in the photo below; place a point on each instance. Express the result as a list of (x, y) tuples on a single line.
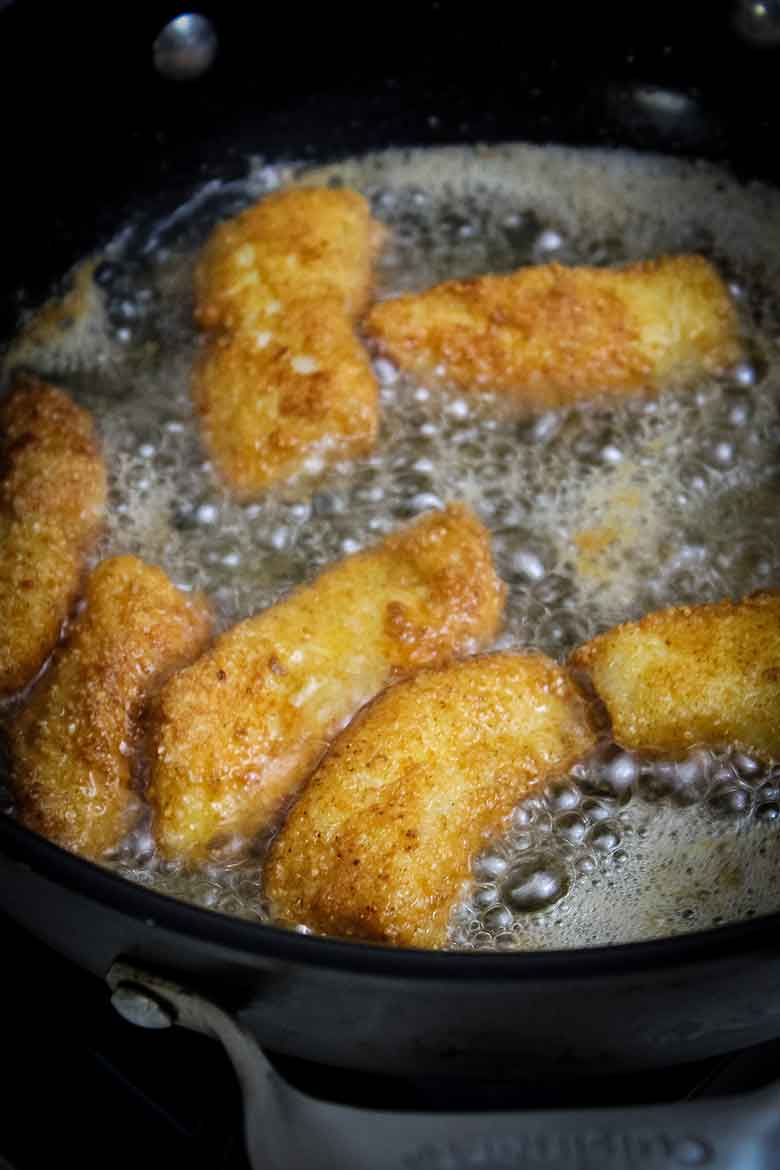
[(287, 1129)]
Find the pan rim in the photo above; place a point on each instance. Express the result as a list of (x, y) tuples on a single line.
[(261, 942)]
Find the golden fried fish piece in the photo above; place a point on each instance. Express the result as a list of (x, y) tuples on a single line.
[(73, 744), (238, 731), (52, 503), (551, 335), (293, 399), (703, 674), (283, 384), (380, 844), (63, 334), (303, 242)]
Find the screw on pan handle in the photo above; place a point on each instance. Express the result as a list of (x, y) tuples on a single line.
[(138, 1006), (758, 21), (288, 1130), (185, 48)]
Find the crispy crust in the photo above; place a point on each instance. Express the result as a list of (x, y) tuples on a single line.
[(705, 674), (379, 845), (74, 742), (549, 335), (314, 242), (52, 503), (236, 733), (59, 332), (262, 420), (282, 378)]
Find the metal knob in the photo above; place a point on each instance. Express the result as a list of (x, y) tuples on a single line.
[(140, 1007), (758, 21), (186, 48)]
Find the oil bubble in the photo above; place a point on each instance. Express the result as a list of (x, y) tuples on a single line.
[(595, 810), (571, 827), (536, 882), (730, 799), (490, 866), (605, 836), (485, 897), (498, 918), (561, 796)]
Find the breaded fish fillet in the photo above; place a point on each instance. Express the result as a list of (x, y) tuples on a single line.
[(74, 742), (550, 335), (65, 332), (705, 674), (305, 242), (298, 397), (52, 502), (238, 731), (283, 383), (380, 844)]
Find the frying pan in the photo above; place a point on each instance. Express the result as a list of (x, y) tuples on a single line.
[(93, 134)]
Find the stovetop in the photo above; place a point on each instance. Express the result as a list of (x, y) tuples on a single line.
[(76, 1072)]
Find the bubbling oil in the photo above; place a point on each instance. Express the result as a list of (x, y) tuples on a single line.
[(599, 512), (625, 848)]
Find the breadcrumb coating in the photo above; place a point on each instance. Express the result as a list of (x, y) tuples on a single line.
[(74, 743), (551, 335), (237, 732), (380, 844), (52, 505), (283, 384), (703, 674)]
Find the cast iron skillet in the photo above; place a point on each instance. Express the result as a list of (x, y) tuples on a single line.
[(91, 133)]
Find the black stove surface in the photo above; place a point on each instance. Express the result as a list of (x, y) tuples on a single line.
[(83, 1086)]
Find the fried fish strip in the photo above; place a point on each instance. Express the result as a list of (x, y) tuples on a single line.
[(63, 334), (313, 242), (283, 384), (380, 843), (74, 743), (704, 674), (52, 502), (237, 732), (550, 335), (274, 404)]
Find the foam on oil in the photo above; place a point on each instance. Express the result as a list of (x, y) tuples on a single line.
[(599, 513)]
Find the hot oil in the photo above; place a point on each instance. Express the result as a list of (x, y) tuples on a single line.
[(626, 848), (598, 513)]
